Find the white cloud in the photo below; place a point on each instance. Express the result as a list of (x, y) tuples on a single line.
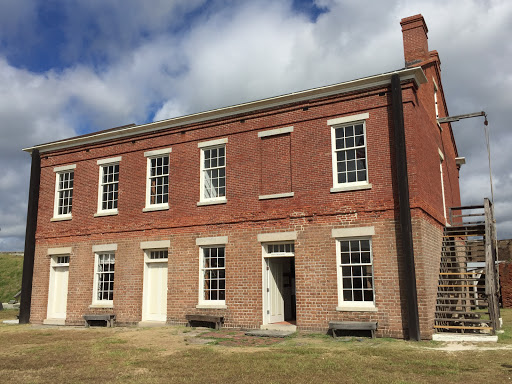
[(236, 51)]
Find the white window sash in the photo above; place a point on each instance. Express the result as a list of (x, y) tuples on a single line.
[(205, 179), (149, 178)]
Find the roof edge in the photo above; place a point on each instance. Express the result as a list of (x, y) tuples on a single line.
[(415, 73)]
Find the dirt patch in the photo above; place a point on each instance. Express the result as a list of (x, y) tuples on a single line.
[(239, 339)]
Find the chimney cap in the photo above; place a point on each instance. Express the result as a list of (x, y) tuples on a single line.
[(412, 22)]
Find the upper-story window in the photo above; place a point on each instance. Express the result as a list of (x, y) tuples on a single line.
[(108, 190), (63, 192), (349, 158), (213, 172), (157, 183)]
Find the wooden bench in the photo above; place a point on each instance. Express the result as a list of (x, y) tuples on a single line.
[(217, 320), (353, 326), (109, 319)]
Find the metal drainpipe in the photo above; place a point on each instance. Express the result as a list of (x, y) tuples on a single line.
[(405, 209), (30, 238)]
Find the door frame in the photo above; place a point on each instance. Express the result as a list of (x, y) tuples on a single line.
[(265, 280), (145, 284), (56, 261)]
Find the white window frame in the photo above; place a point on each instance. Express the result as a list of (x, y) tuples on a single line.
[(102, 164), (343, 122), (98, 251), (204, 146), (160, 153), (348, 234), (441, 161), (206, 243), (59, 171)]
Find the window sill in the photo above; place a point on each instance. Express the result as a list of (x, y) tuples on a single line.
[(108, 213), (276, 196), (107, 306), (63, 218), (211, 306), (349, 188), (356, 309), (156, 208), (212, 202)]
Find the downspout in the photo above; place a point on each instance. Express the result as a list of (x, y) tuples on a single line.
[(30, 238), (405, 209)]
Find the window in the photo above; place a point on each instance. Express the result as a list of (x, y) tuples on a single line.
[(157, 184), (283, 249), (349, 158), (356, 270), (354, 259), (63, 192), (104, 278), (158, 255), (108, 193), (213, 275), (213, 171)]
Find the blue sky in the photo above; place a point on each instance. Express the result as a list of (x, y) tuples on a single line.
[(68, 68)]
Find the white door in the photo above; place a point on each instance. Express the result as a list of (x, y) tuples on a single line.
[(58, 292), (275, 290), (155, 292)]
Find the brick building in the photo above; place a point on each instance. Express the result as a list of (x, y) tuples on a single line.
[(297, 209)]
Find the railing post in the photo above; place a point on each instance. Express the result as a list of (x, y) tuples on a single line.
[(491, 290)]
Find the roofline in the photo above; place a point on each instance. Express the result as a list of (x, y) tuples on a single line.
[(415, 73)]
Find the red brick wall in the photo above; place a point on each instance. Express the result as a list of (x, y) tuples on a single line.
[(276, 166), (312, 212), (506, 283)]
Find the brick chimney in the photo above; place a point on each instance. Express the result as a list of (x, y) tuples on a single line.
[(414, 31)]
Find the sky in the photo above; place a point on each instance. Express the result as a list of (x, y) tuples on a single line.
[(74, 67)]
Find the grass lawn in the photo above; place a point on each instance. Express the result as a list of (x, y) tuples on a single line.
[(35, 354), (11, 268)]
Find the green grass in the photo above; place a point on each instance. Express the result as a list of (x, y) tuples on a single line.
[(11, 268)]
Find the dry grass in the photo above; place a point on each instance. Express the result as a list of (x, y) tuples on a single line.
[(168, 355)]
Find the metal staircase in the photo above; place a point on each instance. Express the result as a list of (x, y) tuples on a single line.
[(468, 288)]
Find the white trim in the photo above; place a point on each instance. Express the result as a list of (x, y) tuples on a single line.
[(159, 207), (415, 74), (348, 308), (64, 168), (441, 156), (105, 163), (218, 240), (348, 119), (276, 196), (273, 132), (59, 251), (212, 202), (109, 161), (155, 155), (163, 244), (277, 236), (61, 218), (58, 172), (351, 187), (158, 152), (211, 306), (111, 212), (353, 232), (340, 123), (104, 247), (219, 304), (106, 305), (212, 143)]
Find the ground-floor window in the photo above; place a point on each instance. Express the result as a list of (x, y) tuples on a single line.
[(104, 278), (355, 272), (213, 275)]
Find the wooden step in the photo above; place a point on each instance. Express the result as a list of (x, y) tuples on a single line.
[(462, 305), (461, 327), (458, 320), (461, 313)]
